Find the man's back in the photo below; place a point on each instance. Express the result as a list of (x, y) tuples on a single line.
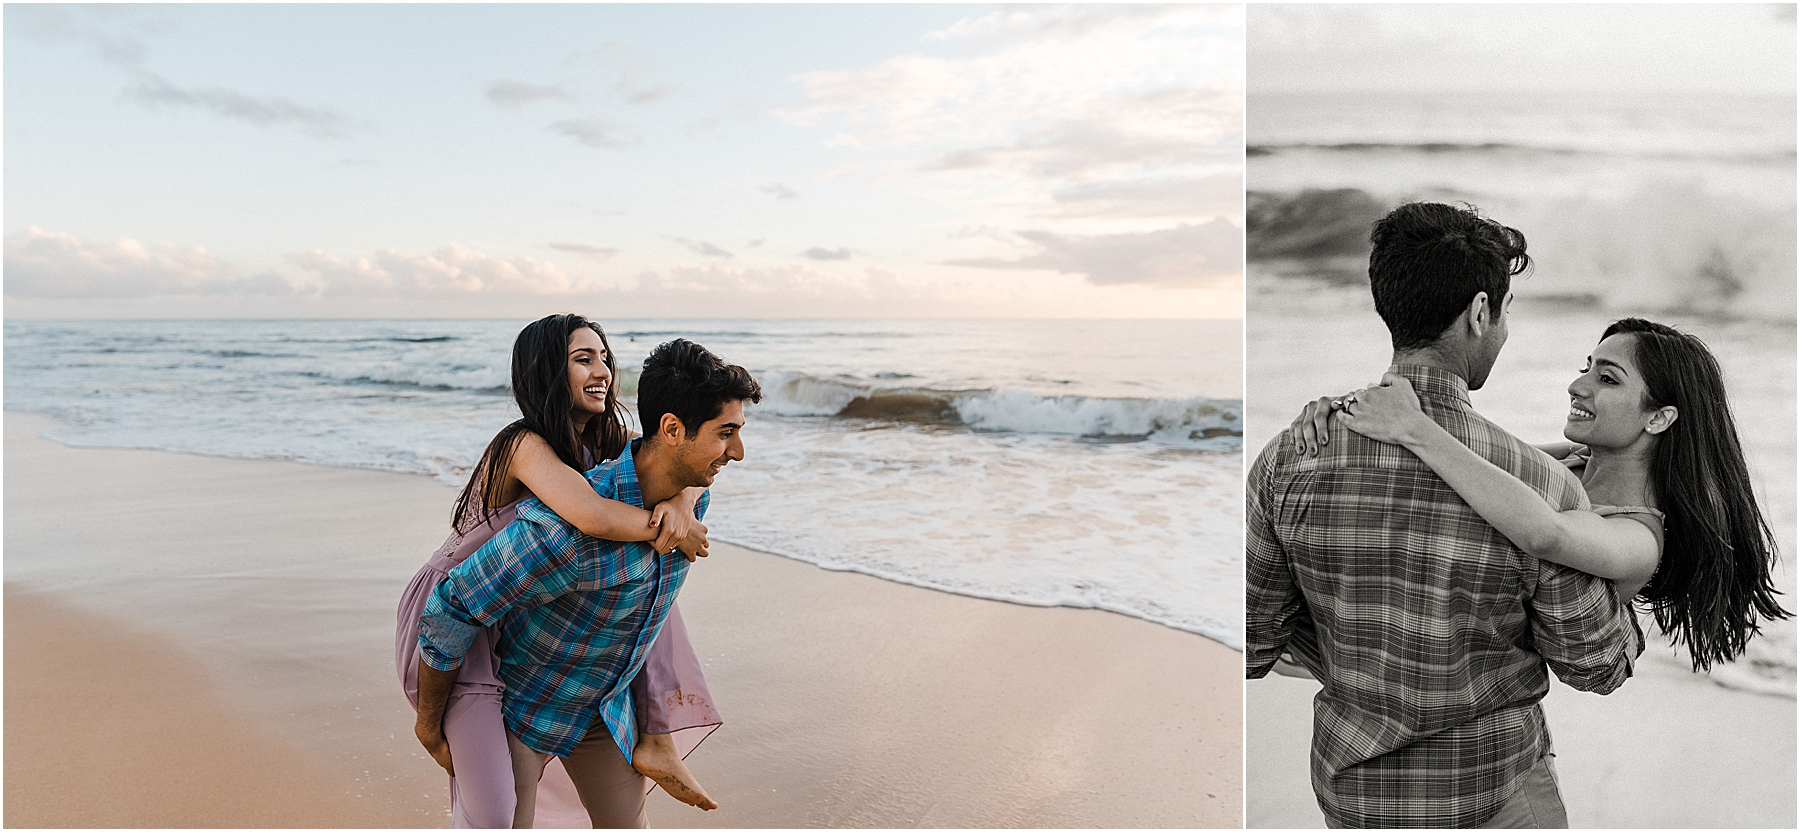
[(1428, 629)]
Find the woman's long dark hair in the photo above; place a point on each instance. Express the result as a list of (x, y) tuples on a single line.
[(1713, 583), (540, 386)]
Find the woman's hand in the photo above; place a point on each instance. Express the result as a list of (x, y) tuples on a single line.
[(1309, 429), (1387, 413), (677, 527)]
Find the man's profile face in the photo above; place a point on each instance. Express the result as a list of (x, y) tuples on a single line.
[(699, 458), (1488, 348)]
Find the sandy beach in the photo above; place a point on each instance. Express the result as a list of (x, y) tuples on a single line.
[(1666, 750), (212, 638)]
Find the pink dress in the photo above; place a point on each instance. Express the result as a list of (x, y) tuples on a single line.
[(670, 694)]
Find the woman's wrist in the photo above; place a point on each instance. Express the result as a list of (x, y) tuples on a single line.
[(1419, 431)]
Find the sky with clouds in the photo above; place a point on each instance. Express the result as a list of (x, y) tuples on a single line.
[(1504, 47), (624, 161)]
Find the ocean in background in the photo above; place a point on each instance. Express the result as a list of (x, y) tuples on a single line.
[(1075, 463), (1679, 209), (1647, 204)]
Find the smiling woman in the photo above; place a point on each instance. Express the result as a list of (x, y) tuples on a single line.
[(1601, 135), (825, 193)]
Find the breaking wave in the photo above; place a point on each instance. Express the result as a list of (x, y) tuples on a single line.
[(1198, 422)]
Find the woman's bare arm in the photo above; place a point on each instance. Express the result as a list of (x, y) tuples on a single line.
[(1560, 450), (536, 467), (1619, 549)]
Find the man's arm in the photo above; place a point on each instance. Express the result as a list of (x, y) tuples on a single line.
[(1272, 603), (434, 697), (521, 567), (1583, 629)]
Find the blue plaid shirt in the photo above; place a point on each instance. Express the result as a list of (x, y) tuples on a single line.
[(576, 615)]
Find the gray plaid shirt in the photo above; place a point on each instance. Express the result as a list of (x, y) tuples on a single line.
[(1429, 630)]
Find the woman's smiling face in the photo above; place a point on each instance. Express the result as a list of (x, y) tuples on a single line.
[(589, 377), (1608, 402)]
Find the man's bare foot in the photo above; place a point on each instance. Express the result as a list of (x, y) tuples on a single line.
[(655, 758)]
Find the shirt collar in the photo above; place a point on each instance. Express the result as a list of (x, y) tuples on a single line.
[(623, 474), (1433, 383)]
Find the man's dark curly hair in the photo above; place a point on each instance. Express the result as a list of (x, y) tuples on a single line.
[(682, 378), (1431, 259)]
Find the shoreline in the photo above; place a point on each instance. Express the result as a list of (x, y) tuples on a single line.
[(848, 698), (851, 569)]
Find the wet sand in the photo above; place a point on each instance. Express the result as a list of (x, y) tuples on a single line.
[(257, 598), (110, 726)]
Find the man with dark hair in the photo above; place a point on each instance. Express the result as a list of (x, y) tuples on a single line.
[(1430, 631), (578, 613)]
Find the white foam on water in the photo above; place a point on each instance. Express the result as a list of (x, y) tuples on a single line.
[(1111, 483)]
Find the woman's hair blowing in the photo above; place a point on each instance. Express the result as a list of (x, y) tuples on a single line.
[(1713, 583)]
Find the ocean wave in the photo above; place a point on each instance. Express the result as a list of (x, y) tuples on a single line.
[(701, 335), (478, 377), (1667, 246), (1211, 424)]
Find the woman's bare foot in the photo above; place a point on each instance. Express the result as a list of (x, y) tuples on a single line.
[(655, 758)]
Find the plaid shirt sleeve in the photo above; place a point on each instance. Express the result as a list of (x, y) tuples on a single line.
[(1587, 635), (1579, 624), (531, 562), (1274, 610), (521, 567)]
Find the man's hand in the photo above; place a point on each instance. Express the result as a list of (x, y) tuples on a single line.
[(434, 699), (432, 737), (677, 527)]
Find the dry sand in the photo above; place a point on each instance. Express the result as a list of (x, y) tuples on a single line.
[(1666, 750), (254, 601)]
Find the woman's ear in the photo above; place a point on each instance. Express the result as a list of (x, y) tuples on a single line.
[(1661, 419)]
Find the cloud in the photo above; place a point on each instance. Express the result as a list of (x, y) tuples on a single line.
[(817, 253), (1001, 90), (1186, 196), (1081, 115), (779, 191), (115, 32), (1012, 25), (590, 252), (645, 95), (1193, 127), (716, 280), (452, 269), (630, 81), (53, 264), (595, 132), (702, 247), (153, 91), (1206, 256), (508, 94)]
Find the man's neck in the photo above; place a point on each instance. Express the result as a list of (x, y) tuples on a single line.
[(655, 483), (1433, 358)]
